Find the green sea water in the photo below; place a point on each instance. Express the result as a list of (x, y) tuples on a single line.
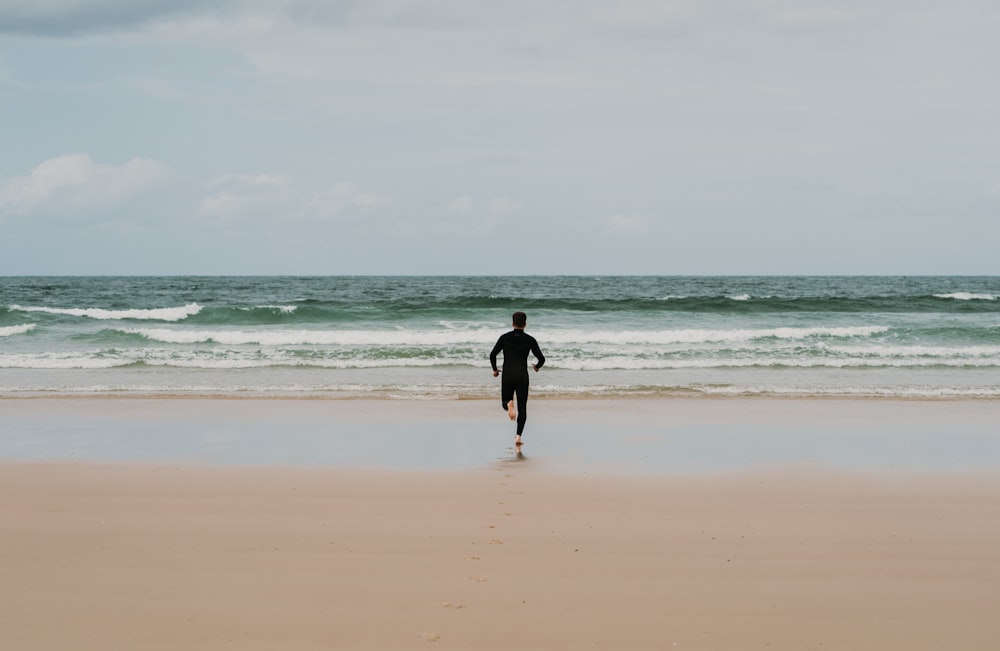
[(428, 337)]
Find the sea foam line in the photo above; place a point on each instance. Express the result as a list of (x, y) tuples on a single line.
[(699, 336), (968, 296), (153, 314), (10, 331), (298, 337), (284, 309), (400, 337), (256, 359)]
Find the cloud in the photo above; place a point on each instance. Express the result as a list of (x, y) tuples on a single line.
[(75, 184), (272, 196), (343, 201), (234, 196)]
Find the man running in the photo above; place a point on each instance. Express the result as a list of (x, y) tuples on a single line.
[(516, 345)]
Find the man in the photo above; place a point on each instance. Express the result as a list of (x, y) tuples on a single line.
[(516, 345)]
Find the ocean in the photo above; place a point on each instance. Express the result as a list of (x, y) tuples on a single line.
[(429, 337)]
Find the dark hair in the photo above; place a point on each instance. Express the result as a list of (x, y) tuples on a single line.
[(520, 319)]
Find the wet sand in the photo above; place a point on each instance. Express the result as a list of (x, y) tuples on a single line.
[(163, 547)]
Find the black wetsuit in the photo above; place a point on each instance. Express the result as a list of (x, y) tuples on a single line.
[(516, 345)]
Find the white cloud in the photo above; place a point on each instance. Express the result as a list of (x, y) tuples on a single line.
[(343, 201), (245, 195), (275, 196), (75, 184)]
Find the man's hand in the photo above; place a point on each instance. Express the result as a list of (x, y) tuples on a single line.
[(496, 373), (535, 366)]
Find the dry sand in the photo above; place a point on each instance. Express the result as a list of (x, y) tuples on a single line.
[(162, 556)]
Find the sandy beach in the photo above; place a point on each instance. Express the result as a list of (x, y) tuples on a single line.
[(163, 547)]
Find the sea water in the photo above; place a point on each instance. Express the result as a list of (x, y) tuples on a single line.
[(429, 337)]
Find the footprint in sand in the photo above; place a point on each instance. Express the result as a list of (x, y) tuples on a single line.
[(449, 604), (472, 558), (496, 541), (429, 637), (478, 579)]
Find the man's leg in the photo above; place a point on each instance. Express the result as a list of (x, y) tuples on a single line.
[(507, 385), (522, 406)]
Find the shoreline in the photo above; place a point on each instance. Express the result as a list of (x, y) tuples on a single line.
[(608, 436), (540, 397)]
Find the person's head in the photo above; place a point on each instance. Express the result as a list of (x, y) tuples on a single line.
[(520, 319)]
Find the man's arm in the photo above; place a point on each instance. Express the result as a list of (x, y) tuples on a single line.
[(537, 352), (493, 354)]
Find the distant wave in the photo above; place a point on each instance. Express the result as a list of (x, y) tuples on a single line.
[(423, 391), (956, 353), (969, 296), (153, 314), (283, 309), (10, 331), (698, 335), (302, 337), (235, 360), (843, 391), (639, 364), (62, 361), (478, 337)]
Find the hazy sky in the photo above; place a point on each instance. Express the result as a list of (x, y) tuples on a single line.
[(468, 137)]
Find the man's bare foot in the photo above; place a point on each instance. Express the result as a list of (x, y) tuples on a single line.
[(517, 440), (511, 410)]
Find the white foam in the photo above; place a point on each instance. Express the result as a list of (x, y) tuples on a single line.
[(885, 392), (624, 363), (478, 338), (969, 296), (740, 297), (947, 352), (230, 359), (284, 309), (153, 314), (10, 331), (698, 335), (61, 361), (338, 364), (301, 337)]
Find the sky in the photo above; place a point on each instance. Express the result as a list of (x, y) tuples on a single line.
[(146, 137)]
